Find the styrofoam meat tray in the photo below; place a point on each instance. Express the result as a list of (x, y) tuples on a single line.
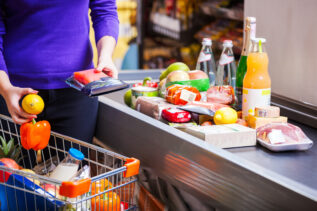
[(301, 146)]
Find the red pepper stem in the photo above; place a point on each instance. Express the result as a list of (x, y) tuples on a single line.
[(146, 80), (33, 121)]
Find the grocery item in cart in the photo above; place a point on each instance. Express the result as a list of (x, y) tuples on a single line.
[(94, 83), (176, 115), (181, 95), (221, 94), (35, 135), (283, 136), (257, 81), (226, 70), (206, 61), (69, 166)]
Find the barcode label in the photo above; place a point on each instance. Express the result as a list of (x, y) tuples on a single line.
[(187, 95)]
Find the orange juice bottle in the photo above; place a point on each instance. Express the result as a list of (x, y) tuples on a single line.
[(257, 81)]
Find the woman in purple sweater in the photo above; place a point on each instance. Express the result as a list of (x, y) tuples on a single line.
[(41, 44)]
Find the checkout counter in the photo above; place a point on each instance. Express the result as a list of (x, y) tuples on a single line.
[(248, 178)]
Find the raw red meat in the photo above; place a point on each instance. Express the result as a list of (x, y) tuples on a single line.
[(210, 106), (87, 76), (291, 133), (220, 94)]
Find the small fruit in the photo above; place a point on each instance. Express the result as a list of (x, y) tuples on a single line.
[(52, 189), (225, 115), (33, 104), (173, 67), (127, 97), (197, 74), (10, 163), (162, 88), (178, 75), (29, 178)]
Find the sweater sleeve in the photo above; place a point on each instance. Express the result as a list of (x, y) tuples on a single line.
[(3, 65), (105, 20)]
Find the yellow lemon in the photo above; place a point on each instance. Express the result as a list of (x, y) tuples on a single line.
[(31, 179), (33, 104), (225, 115)]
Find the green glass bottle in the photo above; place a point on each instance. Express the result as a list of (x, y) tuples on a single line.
[(249, 33)]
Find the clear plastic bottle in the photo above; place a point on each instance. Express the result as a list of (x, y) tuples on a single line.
[(206, 61), (226, 71), (69, 166)]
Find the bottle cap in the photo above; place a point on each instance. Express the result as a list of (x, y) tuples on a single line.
[(251, 19), (207, 41), (227, 43), (257, 40), (76, 154)]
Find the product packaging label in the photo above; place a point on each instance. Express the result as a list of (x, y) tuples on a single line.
[(225, 59), (252, 98), (187, 95), (204, 57)]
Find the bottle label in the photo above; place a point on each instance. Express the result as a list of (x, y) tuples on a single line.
[(252, 98), (204, 57), (225, 59)]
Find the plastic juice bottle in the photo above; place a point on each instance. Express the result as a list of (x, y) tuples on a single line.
[(249, 33), (257, 81)]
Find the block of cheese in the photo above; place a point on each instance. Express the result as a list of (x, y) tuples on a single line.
[(225, 136), (267, 111), (256, 122), (152, 106)]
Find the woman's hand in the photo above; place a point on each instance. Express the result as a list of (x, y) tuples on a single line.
[(105, 48), (12, 95)]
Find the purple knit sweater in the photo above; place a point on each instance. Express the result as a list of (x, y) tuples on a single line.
[(42, 42)]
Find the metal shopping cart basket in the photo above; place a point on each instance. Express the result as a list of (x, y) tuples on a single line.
[(110, 187)]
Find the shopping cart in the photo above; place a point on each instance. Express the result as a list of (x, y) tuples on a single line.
[(111, 186)]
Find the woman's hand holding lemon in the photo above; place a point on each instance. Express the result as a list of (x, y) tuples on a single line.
[(12, 95)]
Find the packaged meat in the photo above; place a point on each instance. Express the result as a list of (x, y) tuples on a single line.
[(93, 83), (152, 106), (282, 137), (221, 94), (211, 106), (176, 115), (181, 95)]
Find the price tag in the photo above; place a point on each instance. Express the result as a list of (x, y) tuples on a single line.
[(187, 95), (276, 137)]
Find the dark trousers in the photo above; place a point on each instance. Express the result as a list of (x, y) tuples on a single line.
[(69, 112)]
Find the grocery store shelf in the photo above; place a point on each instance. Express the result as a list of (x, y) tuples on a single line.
[(209, 8)]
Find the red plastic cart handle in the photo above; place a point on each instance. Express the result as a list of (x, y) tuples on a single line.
[(74, 189), (133, 166)]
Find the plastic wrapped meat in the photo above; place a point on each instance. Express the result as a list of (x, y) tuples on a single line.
[(281, 133), (221, 94), (211, 106)]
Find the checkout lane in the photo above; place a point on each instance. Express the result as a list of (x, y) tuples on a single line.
[(246, 178)]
